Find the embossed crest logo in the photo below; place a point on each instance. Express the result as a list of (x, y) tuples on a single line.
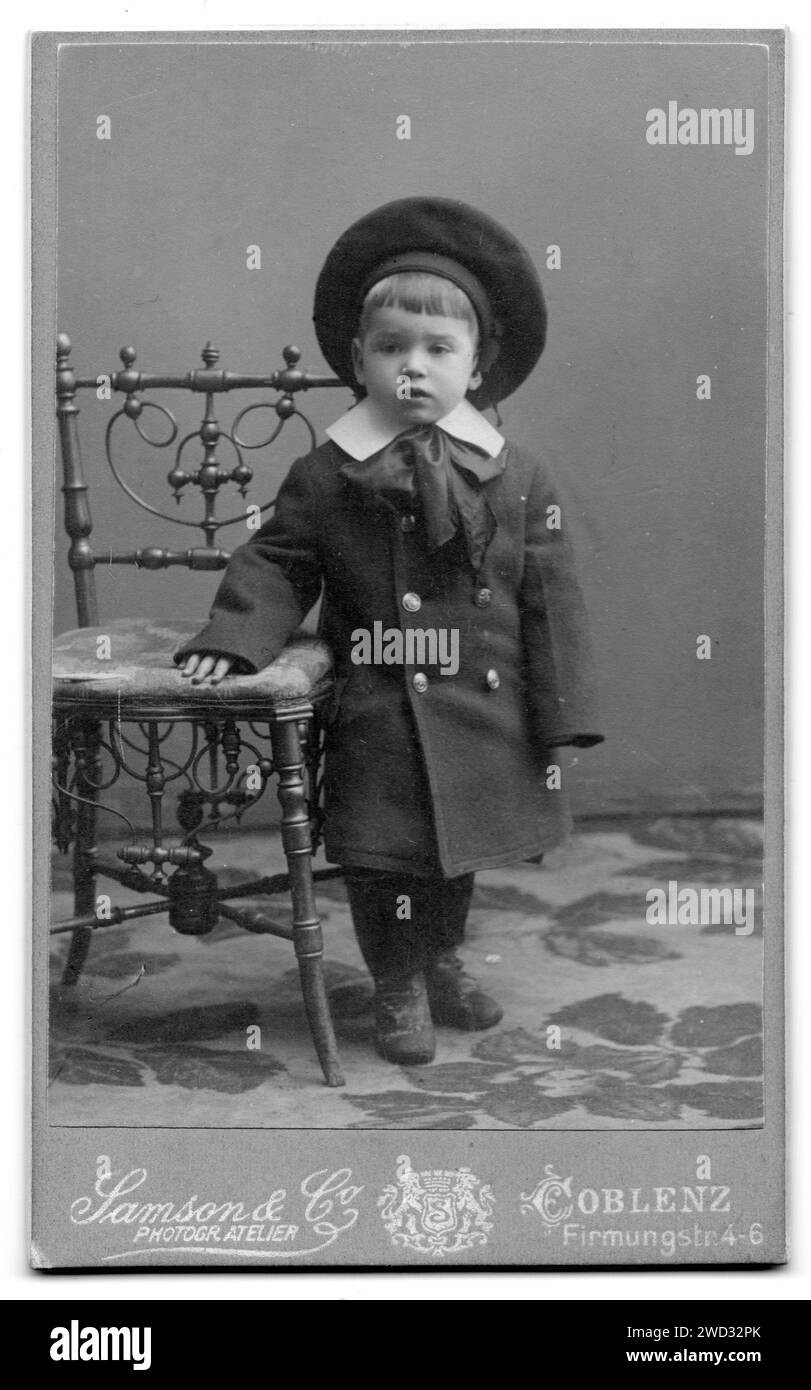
[(437, 1211), (551, 1198)]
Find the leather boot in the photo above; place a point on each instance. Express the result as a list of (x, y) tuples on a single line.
[(393, 952), (456, 999), (404, 1032)]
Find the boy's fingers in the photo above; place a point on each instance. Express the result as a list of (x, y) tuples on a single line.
[(221, 669), (207, 667), (204, 669)]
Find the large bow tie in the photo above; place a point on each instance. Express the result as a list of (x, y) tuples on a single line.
[(445, 474)]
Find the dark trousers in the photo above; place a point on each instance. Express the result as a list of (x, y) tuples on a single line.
[(403, 922)]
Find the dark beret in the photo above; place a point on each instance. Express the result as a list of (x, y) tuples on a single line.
[(447, 228)]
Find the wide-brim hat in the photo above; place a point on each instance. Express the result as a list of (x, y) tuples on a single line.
[(447, 232)]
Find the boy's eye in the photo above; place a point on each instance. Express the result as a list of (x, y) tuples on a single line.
[(441, 347)]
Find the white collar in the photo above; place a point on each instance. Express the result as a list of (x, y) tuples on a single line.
[(362, 431)]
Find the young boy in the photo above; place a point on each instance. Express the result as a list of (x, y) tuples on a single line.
[(450, 601)]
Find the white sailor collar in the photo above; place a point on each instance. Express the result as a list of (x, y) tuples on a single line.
[(362, 431)]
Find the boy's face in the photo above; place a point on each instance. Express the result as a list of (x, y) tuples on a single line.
[(416, 367)]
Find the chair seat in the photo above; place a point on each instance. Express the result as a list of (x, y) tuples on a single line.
[(140, 679)]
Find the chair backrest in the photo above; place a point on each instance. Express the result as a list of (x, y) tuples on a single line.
[(209, 475)]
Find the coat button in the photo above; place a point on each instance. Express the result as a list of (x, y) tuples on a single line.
[(483, 598), (493, 679), (412, 603), (407, 523), (420, 683)]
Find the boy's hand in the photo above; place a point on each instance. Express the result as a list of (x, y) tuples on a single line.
[(207, 667)]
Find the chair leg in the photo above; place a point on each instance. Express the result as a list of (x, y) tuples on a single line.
[(84, 875), (288, 760)]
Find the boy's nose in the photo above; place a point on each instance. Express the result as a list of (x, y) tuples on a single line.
[(413, 363)]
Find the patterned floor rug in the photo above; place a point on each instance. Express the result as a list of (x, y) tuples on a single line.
[(612, 1017)]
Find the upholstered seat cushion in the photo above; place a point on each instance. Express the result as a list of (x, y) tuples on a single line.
[(128, 663)]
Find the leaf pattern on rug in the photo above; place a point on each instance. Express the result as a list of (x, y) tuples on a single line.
[(623, 1101), (744, 1058), (716, 1025), (351, 1000), (86, 1066), (723, 1100), (576, 931), (523, 1104), (406, 1108), (710, 870), (212, 1069), (614, 1017), (739, 838), (122, 965), (608, 948), (200, 1022), (599, 909), (458, 1078), (512, 1045)]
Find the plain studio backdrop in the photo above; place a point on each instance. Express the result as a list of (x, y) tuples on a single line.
[(216, 147)]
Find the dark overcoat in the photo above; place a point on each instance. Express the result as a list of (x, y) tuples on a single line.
[(425, 772)]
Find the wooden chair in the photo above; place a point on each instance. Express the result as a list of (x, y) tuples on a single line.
[(118, 696)]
